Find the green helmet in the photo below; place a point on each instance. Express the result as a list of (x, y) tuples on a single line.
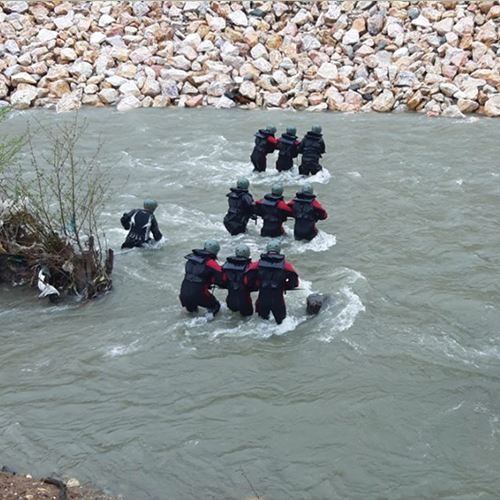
[(291, 130), (307, 188), (242, 183), (150, 204), (243, 251), (316, 129), (277, 189), (271, 128), (273, 246), (212, 246)]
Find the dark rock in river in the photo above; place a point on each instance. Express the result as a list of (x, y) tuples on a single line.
[(315, 302)]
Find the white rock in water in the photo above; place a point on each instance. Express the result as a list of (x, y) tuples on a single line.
[(70, 101), (384, 102), (127, 103), (23, 97), (239, 18)]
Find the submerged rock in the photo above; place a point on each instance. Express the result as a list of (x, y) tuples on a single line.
[(315, 302)]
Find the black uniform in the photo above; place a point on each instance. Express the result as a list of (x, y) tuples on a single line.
[(272, 275), (306, 211), (312, 148), (241, 208), (202, 271), (140, 222), (265, 143), (238, 297), (288, 145)]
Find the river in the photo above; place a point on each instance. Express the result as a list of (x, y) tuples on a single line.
[(392, 392)]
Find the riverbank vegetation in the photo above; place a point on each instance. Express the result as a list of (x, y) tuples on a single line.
[(49, 213)]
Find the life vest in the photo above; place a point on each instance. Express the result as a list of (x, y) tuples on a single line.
[(271, 271), (304, 207), (235, 268), (262, 145), (287, 143), (312, 146), (269, 210), (196, 269), (235, 200)]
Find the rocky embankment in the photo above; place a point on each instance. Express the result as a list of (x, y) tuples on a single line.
[(439, 58)]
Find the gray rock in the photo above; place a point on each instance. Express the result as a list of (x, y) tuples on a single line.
[(413, 13), (375, 24), (315, 302)]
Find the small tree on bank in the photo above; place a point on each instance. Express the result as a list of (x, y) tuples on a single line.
[(50, 211)]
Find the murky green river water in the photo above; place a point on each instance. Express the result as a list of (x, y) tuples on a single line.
[(393, 392)]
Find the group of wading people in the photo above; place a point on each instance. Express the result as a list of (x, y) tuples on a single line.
[(272, 275)]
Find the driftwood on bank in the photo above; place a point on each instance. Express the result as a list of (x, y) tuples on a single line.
[(49, 211), (24, 253)]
